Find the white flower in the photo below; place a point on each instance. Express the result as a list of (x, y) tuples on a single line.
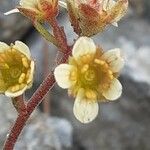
[(101, 12), (38, 9), (16, 69), (91, 77)]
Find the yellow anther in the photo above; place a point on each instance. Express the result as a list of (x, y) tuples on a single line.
[(86, 58), (25, 62), (111, 76), (6, 66), (100, 62), (84, 68), (21, 78), (90, 94), (21, 86), (73, 76), (15, 88), (105, 65), (110, 72)]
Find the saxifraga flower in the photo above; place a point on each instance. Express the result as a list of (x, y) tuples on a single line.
[(91, 77), (89, 17), (38, 10), (16, 69)]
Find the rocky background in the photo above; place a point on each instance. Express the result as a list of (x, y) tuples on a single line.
[(120, 125)]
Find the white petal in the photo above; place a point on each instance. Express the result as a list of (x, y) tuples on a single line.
[(108, 4), (114, 58), (123, 10), (115, 24), (85, 110), (62, 4), (23, 48), (29, 3), (83, 46), (15, 94), (62, 74), (3, 47), (32, 66), (12, 11), (114, 91)]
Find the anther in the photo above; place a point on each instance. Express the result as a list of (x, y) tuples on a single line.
[(21, 78), (90, 94), (100, 62), (84, 68), (73, 76), (25, 62), (15, 88)]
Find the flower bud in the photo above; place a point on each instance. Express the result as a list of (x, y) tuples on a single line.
[(38, 9)]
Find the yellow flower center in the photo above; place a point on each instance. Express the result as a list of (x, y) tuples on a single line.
[(14, 70), (93, 75), (90, 75)]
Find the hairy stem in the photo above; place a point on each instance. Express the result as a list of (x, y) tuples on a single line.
[(59, 34)]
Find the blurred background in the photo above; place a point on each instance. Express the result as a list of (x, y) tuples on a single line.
[(120, 125)]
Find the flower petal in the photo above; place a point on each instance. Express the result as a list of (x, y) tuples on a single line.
[(29, 3), (114, 91), (114, 58), (23, 48), (85, 110), (62, 74), (120, 8), (11, 11), (62, 4), (108, 4), (83, 46), (115, 24), (3, 47), (15, 94)]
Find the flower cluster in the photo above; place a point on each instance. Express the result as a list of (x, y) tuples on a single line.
[(90, 76), (16, 69)]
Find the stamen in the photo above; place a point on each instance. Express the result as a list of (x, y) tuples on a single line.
[(86, 58), (21, 86), (100, 62), (73, 76), (110, 72), (111, 77), (15, 88), (25, 62), (4, 66), (84, 68), (21, 78), (90, 94)]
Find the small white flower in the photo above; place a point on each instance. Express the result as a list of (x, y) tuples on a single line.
[(16, 69), (101, 12), (38, 9), (91, 77)]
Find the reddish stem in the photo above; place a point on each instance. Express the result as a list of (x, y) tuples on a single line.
[(59, 34), (46, 101)]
